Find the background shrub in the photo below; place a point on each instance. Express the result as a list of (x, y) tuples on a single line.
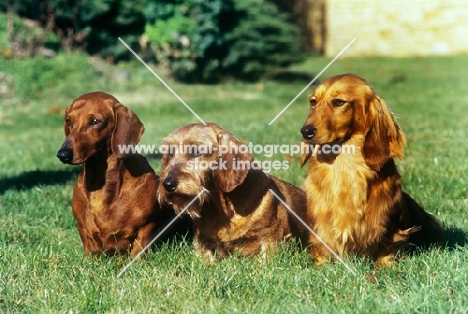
[(261, 40), (185, 35), (197, 40), (92, 25), (206, 40), (25, 38)]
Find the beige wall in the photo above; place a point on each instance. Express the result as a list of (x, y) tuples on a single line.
[(396, 27)]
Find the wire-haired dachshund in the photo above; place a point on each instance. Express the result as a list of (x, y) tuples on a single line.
[(235, 213)]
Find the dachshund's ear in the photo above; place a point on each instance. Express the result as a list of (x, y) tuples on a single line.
[(128, 129), (384, 139), (234, 165), (66, 123)]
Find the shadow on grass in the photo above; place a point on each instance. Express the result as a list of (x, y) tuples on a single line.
[(455, 237), (180, 230), (30, 179)]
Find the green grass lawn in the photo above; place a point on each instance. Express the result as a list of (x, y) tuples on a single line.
[(42, 264)]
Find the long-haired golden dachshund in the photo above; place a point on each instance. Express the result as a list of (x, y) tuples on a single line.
[(235, 213), (115, 198), (354, 195)]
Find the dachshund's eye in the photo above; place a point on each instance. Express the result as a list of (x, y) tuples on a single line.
[(68, 122), (338, 102), (94, 122), (312, 101), (194, 152)]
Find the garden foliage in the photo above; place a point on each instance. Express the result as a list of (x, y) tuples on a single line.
[(206, 40), (197, 40), (92, 25)]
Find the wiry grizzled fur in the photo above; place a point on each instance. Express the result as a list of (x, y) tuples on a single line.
[(236, 213)]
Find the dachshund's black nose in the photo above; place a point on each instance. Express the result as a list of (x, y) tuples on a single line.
[(65, 155), (170, 184), (308, 131)]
